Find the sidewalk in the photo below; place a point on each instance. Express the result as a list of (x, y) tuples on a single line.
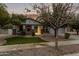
[(74, 39), (19, 47), (74, 54), (37, 45)]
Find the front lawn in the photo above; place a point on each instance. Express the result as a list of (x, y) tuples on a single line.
[(22, 40)]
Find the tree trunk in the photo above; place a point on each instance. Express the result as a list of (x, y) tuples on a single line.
[(77, 32), (55, 33), (56, 39)]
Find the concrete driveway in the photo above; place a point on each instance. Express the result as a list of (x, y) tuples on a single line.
[(2, 37)]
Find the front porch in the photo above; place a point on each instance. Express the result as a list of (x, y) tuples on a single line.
[(29, 29)]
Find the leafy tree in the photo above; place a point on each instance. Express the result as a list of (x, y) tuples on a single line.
[(17, 19), (8, 26), (4, 16), (22, 17)]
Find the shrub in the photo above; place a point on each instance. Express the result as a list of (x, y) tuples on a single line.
[(23, 33), (33, 33), (67, 35), (8, 26)]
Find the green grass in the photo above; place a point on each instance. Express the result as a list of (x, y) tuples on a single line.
[(22, 40)]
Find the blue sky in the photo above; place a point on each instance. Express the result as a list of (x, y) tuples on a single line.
[(18, 7)]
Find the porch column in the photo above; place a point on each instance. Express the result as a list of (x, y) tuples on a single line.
[(39, 30), (14, 30), (32, 27), (23, 26), (65, 30)]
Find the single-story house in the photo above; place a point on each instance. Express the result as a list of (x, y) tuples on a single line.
[(31, 25)]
